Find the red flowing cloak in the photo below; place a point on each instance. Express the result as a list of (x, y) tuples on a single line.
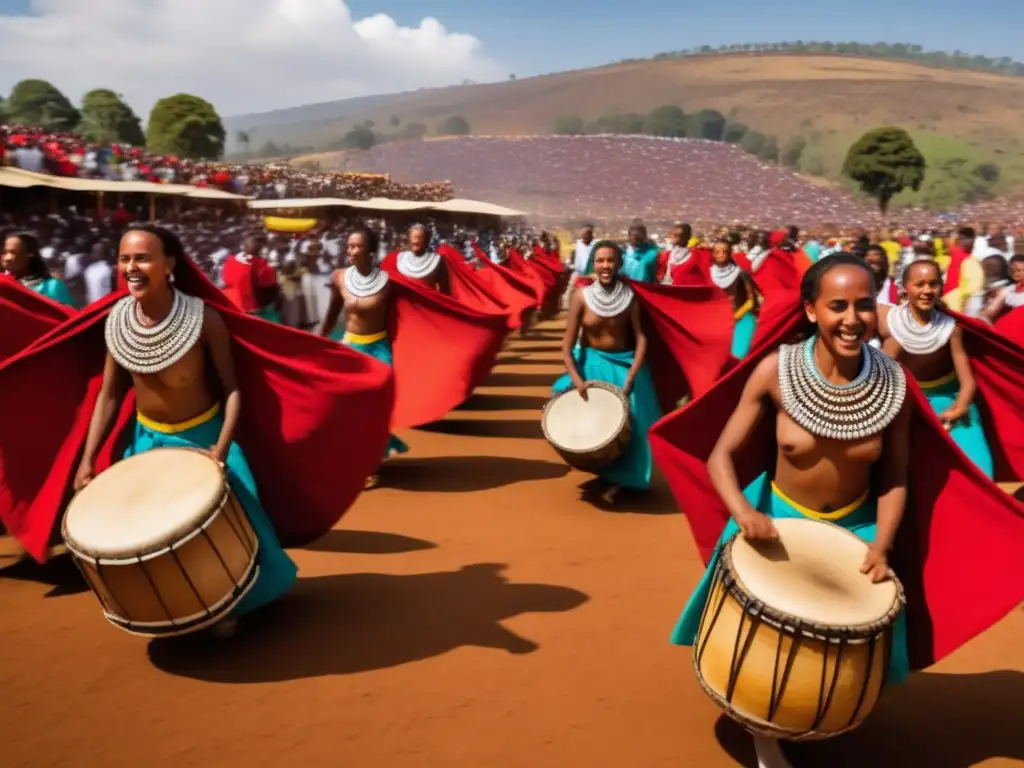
[(516, 292), (957, 256), (541, 280), (778, 273), (25, 316), (314, 418), (689, 337), (1011, 325), (544, 260), (695, 271), (959, 545)]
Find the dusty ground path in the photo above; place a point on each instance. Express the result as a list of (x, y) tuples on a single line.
[(474, 612)]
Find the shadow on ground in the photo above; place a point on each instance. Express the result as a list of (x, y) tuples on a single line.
[(59, 573), (523, 430), (368, 543), (513, 380), (934, 720), (465, 474), (481, 402), (655, 501), (344, 624)]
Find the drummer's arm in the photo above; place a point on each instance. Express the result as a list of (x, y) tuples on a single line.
[(572, 331), (892, 498), (334, 307), (112, 390), (641, 345), (219, 343)]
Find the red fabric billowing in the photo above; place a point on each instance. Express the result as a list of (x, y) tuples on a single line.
[(743, 262), (695, 271), (958, 548), (541, 280), (957, 256), (1011, 325), (544, 261), (516, 292), (466, 288), (303, 400), (778, 273), (242, 281), (25, 316)]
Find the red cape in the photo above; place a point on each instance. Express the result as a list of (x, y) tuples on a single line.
[(1011, 325), (689, 337), (959, 545), (957, 256), (545, 261), (541, 280), (695, 271), (303, 398), (516, 292), (779, 272), (25, 316)]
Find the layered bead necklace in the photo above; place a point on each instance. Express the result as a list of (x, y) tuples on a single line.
[(724, 277), (363, 286), (605, 303), (32, 282), (144, 350), (917, 339), (864, 407), (679, 255), (418, 267)]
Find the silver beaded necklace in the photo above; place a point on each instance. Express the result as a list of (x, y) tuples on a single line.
[(604, 303), (864, 407), (724, 277), (418, 267), (150, 350), (31, 282), (678, 255), (362, 286), (917, 339)]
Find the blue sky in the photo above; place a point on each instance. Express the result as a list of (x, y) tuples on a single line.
[(538, 36)]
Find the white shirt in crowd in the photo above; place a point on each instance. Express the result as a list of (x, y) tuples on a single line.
[(316, 292), (30, 159), (581, 260), (99, 281)]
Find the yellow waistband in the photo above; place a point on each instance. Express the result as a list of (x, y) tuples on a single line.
[(173, 429), (951, 376), (836, 514), (358, 338), (743, 310)]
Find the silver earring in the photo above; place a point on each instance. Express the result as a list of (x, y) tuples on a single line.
[(170, 278)]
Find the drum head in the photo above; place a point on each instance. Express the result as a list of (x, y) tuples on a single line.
[(144, 503), (577, 425), (813, 573)]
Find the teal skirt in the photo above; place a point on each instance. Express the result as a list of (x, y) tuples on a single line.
[(277, 571), (743, 334), (268, 313), (381, 350), (968, 433), (633, 468), (862, 521)]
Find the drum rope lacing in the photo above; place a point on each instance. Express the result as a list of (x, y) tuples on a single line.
[(864, 407), (363, 286), (917, 339), (418, 267), (605, 303), (142, 349), (725, 276)]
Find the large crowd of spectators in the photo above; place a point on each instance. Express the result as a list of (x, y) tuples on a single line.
[(66, 154)]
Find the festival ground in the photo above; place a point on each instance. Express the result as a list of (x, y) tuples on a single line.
[(476, 612)]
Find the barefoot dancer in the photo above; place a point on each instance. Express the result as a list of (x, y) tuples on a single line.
[(604, 340), (927, 340), (423, 266), (362, 290), (158, 343), (828, 447), (746, 299)]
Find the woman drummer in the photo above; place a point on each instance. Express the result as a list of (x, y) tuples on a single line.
[(22, 260), (739, 287), (840, 416), (604, 341), (929, 343), (362, 290), (181, 399)]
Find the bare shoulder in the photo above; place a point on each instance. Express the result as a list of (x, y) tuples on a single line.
[(214, 326), (765, 378)]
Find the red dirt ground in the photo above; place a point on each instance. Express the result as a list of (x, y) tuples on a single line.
[(474, 612)]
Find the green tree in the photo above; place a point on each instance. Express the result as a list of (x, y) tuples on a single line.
[(3, 110), (413, 131), (769, 151), (734, 132), (628, 124), (752, 142), (360, 137), (988, 172), (37, 102), (568, 125), (244, 141), (666, 120), (884, 162), (105, 118), (794, 151), (186, 126), (456, 125), (707, 124)]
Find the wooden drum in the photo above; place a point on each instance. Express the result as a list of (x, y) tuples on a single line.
[(589, 434), (163, 542), (794, 641)]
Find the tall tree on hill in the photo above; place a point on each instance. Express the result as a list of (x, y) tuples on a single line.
[(456, 125), (360, 137), (3, 110), (245, 142), (667, 120), (734, 132), (568, 125), (769, 151), (794, 151), (707, 124), (884, 162), (752, 142), (37, 102), (186, 126), (107, 119)]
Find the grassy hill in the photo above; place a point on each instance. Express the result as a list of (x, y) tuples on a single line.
[(828, 99)]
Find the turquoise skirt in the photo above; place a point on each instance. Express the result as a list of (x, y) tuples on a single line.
[(377, 346), (633, 468), (277, 571), (268, 313), (52, 288), (968, 433), (743, 334), (862, 521)]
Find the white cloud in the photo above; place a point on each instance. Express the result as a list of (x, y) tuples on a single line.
[(241, 55)]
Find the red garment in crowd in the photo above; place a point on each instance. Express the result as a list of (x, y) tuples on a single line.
[(25, 316), (959, 545), (541, 280), (314, 418), (247, 281), (695, 271), (1011, 325), (957, 256), (516, 292)]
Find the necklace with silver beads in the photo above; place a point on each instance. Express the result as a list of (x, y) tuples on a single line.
[(145, 350), (362, 286)]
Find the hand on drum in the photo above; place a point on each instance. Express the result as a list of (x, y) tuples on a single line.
[(876, 566), (756, 525), (83, 476), (581, 387)]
